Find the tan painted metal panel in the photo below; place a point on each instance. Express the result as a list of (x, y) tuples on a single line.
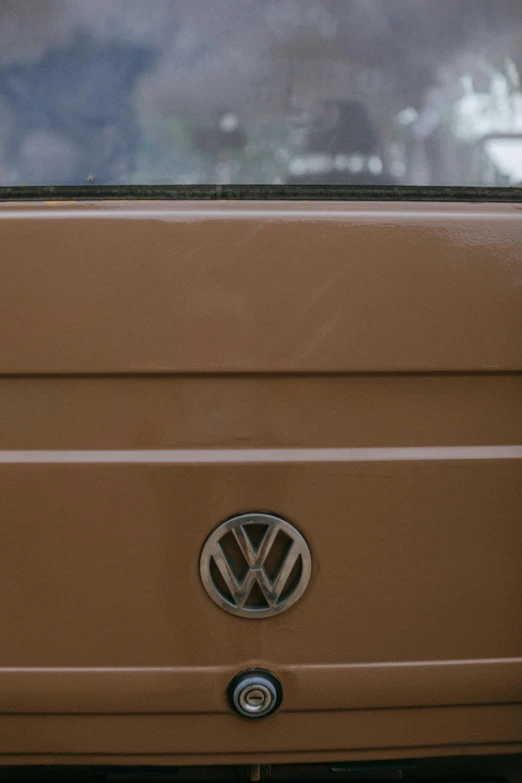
[(250, 287), (353, 368), (263, 740), (414, 559), (260, 411), (202, 690)]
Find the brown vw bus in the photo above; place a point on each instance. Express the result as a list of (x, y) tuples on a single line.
[(261, 390)]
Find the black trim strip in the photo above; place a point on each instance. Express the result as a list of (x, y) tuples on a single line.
[(258, 193)]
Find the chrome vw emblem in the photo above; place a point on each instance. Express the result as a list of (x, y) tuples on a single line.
[(255, 565)]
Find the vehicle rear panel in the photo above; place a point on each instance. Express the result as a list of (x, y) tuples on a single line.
[(353, 368)]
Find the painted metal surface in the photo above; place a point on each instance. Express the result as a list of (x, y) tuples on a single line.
[(355, 369)]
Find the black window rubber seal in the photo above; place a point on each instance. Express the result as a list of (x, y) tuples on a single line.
[(259, 193)]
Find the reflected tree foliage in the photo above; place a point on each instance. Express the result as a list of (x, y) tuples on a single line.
[(260, 91)]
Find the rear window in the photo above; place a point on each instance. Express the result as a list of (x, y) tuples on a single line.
[(278, 92)]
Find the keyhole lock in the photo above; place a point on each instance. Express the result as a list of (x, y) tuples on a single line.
[(255, 694)]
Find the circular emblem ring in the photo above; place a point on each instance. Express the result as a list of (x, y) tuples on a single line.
[(255, 565)]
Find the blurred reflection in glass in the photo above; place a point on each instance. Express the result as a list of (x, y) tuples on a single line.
[(359, 92)]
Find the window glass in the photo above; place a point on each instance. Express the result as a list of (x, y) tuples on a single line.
[(331, 92)]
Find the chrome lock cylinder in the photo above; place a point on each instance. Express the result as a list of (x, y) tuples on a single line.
[(255, 693)]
